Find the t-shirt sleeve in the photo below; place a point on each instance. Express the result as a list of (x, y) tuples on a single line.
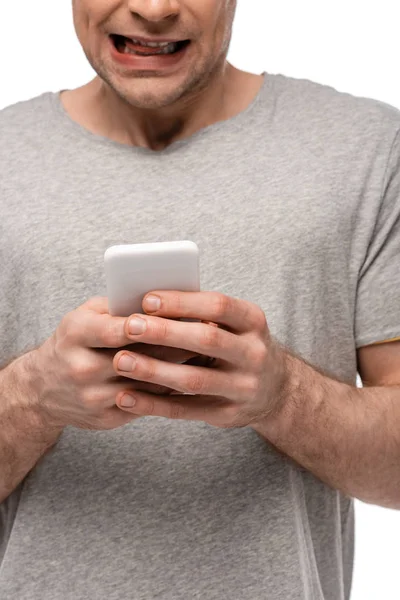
[(377, 316)]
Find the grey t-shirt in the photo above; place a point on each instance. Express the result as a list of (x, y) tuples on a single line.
[(295, 206)]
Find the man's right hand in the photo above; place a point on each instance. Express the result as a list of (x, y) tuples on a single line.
[(74, 380)]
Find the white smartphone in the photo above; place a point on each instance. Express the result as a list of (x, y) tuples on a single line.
[(133, 270)]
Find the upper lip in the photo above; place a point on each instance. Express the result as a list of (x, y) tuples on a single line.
[(146, 40)]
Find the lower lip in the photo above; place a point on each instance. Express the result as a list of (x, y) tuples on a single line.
[(148, 63)]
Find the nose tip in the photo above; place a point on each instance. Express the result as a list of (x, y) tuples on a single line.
[(154, 10)]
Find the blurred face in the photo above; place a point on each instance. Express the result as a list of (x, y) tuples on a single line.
[(155, 52)]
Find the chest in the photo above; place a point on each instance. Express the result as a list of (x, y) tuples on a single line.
[(276, 236)]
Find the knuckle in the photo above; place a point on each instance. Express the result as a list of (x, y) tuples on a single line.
[(95, 303), (195, 384), (70, 326), (162, 330), (260, 320), (220, 306), (250, 386), (258, 355), (82, 369), (92, 399), (210, 337)]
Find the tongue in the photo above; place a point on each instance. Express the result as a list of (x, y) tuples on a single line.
[(142, 49)]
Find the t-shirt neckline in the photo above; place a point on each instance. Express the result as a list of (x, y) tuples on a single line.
[(76, 129)]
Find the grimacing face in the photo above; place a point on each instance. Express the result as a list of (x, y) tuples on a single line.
[(202, 28)]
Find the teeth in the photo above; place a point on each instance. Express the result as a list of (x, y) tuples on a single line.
[(151, 44), (156, 44), (165, 49)]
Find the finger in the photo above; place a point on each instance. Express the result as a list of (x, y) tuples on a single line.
[(97, 303), (175, 355), (182, 378), (239, 316), (169, 355), (91, 329), (217, 411), (100, 397), (198, 338)]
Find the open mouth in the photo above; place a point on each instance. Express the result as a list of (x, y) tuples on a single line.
[(126, 45)]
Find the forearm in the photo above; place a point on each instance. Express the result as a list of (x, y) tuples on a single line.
[(24, 434), (348, 437)]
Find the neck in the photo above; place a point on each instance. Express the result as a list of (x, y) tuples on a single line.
[(98, 108)]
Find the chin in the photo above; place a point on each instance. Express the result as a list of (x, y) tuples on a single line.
[(148, 101), (151, 94)]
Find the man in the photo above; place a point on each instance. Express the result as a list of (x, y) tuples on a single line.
[(244, 488)]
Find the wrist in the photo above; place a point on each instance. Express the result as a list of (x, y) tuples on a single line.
[(299, 381), (25, 382)]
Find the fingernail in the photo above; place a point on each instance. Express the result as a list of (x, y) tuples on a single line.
[(127, 401), (152, 303), (126, 363), (137, 325)]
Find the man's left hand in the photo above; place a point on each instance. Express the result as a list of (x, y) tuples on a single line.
[(248, 376)]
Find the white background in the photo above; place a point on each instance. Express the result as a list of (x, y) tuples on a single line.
[(352, 45)]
